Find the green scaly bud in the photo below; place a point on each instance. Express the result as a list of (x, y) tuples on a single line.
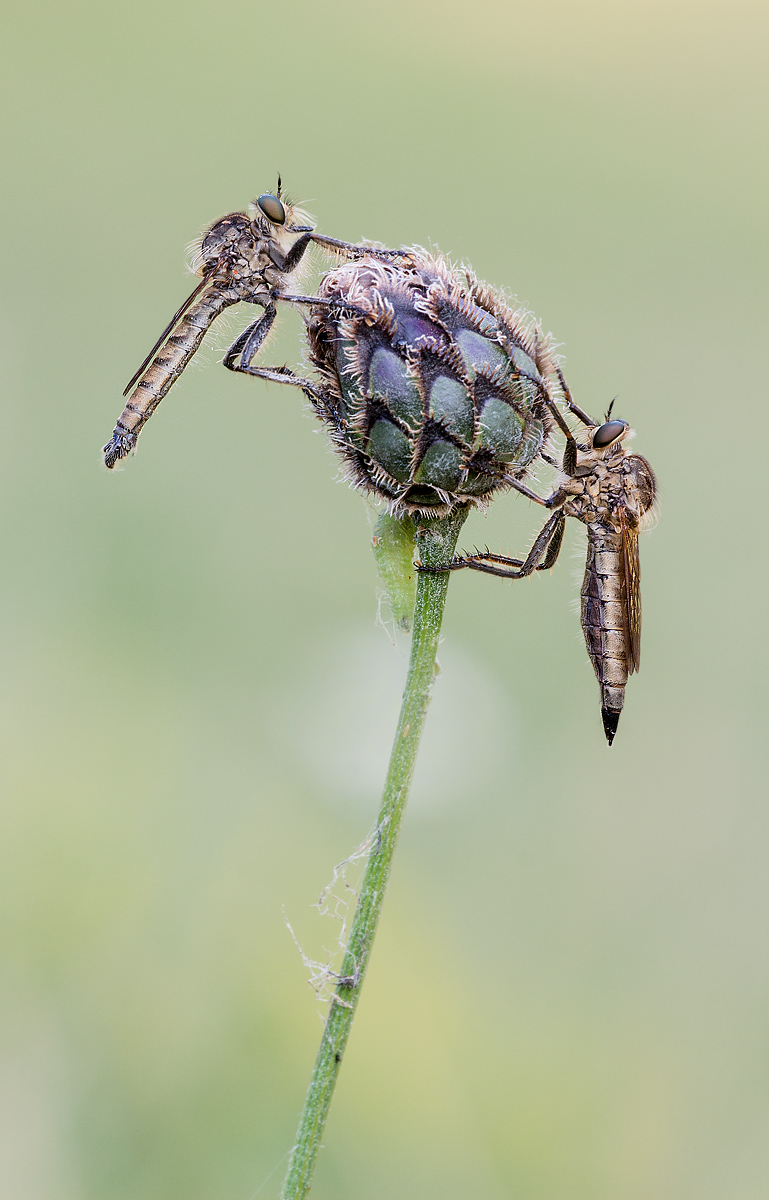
[(437, 392)]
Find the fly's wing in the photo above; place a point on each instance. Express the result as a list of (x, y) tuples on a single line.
[(166, 333), (631, 589)]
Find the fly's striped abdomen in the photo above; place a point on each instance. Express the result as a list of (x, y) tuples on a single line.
[(164, 370), (604, 618)]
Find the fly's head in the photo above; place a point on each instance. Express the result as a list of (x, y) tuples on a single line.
[(274, 218), (608, 437), (605, 443)]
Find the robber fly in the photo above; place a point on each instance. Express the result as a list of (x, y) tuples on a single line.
[(241, 257), (612, 492)]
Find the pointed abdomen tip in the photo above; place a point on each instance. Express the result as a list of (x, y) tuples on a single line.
[(610, 719)]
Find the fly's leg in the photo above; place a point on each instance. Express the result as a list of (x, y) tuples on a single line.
[(284, 375), (352, 251), (569, 463), (291, 260), (578, 412), (247, 343), (546, 501), (553, 501), (294, 255), (322, 400), (541, 557), (246, 346), (319, 302)]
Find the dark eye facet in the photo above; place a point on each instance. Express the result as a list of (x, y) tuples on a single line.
[(272, 208), (608, 433)]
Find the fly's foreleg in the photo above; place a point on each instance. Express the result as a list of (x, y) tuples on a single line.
[(351, 250), (570, 450), (578, 412), (295, 254), (541, 557), (297, 251)]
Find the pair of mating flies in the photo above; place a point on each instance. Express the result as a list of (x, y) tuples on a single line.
[(249, 258)]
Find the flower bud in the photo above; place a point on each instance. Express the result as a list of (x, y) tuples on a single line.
[(437, 391)]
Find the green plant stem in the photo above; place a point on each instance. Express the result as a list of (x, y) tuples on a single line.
[(436, 540)]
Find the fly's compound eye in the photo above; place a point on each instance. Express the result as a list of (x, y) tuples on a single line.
[(272, 208), (608, 433)]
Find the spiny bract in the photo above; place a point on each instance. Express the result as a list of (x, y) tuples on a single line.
[(436, 391)]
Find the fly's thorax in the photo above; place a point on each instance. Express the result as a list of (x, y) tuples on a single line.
[(240, 253), (227, 245), (440, 387), (242, 241), (603, 480), (587, 490), (622, 481)]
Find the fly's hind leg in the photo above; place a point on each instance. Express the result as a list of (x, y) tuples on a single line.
[(322, 400), (247, 344), (541, 557), (245, 348)]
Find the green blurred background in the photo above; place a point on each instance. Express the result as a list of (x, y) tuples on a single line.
[(569, 993)]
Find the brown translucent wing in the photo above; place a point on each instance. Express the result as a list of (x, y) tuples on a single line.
[(631, 588), (166, 333)]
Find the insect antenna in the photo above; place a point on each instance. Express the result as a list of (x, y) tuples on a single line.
[(608, 410)]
